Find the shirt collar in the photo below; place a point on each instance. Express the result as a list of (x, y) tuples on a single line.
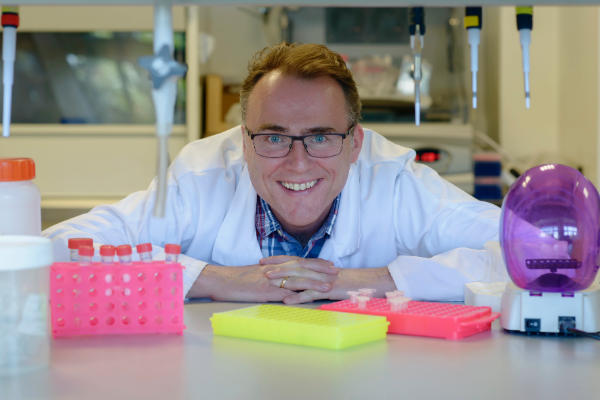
[(266, 223)]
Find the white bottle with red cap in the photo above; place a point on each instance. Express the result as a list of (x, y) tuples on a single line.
[(20, 200)]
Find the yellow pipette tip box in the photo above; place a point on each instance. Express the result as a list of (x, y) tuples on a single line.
[(300, 326)]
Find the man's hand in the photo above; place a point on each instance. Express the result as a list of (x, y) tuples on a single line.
[(316, 269), (251, 283), (302, 273)]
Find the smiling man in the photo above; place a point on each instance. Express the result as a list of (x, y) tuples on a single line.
[(301, 203)]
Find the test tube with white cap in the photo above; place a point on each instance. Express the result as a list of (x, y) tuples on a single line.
[(85, 255), (362, 302), (367, 292), (172, 252), (392, 295), (353, 296), (145, 252), (399, 304), (74, 245)]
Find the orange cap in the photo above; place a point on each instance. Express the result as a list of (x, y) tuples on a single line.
[(16, 169)]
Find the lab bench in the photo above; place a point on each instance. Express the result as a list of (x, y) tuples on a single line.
[(198, 365)]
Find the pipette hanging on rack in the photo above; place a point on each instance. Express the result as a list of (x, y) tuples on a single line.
[(10, 23), (473, 23), (416, 27), (164, 73), (525, 26)]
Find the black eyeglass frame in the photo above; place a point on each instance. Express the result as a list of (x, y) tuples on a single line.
[(300, 138)]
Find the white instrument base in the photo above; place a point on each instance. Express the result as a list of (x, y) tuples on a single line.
[(545, 312)]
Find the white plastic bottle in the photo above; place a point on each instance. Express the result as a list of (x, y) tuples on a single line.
[(20, 200)]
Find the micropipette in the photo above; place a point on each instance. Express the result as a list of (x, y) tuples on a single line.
[(10, 23), (473, 22), (525, 26), (416, 27), (164, 73)]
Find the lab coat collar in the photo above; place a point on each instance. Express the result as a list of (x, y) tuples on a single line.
[(236, 243)]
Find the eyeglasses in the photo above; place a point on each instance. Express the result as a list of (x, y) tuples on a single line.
[(319, 145)]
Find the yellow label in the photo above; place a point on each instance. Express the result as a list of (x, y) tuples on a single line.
[(10, 9), (525, 10), (471, 21)]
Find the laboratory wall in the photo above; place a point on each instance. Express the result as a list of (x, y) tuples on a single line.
[(562, 123)]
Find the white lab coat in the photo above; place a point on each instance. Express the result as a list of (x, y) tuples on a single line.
[(392, 213)]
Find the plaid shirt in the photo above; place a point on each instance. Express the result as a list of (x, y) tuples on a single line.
[(275, 242)]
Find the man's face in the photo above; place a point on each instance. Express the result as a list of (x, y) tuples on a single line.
[(292, 106)]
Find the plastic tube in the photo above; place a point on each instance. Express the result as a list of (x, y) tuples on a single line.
[(353, 296), (392, 295), (399, 304), (145, 252), (367, 292), (74, 244), (362, 302), (85, 255), (124, 253), (172, 252), (107, 254)]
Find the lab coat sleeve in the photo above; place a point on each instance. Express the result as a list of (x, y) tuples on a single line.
[(130, 221), (440, 235)]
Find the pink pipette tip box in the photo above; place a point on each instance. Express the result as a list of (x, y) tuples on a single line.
[(441, 320), (116, 299)]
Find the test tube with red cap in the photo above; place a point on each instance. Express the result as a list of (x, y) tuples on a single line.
[(145, 252), (172, 252), (124, 253), (85, 255), (74, 245), (107, 254)]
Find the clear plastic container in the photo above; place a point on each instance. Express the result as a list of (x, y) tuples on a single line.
[(20, 200), (24, 340)]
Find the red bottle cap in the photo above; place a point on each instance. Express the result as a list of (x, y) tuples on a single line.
[(124, 250), (172, 249), (144, 247), (86, 251), (76, 243), (108, 250), (16, 169)]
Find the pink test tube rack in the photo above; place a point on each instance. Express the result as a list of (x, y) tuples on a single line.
[(420, 318), (102, 299)]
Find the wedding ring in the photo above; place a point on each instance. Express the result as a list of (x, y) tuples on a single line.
[(282, 286)]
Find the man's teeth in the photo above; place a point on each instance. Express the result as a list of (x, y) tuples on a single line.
[(299, 186)]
